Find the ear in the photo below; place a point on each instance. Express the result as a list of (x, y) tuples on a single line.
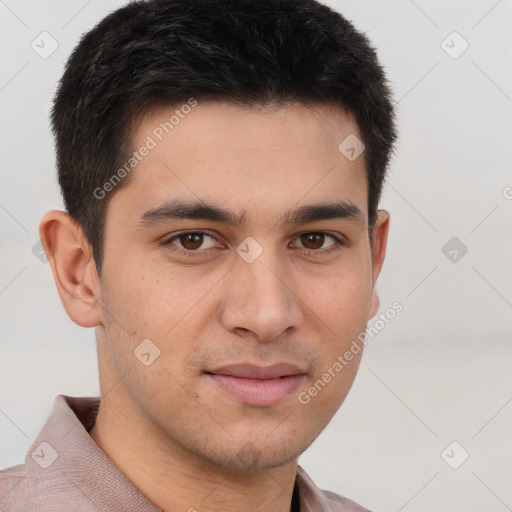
[(73, 267), (380, 240)]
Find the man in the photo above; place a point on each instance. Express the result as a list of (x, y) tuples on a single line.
[(221, 164)]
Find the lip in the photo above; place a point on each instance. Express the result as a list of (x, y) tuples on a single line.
[(253, 371), (260, 386)]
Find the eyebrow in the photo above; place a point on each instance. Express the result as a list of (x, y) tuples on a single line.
[(199, 210)]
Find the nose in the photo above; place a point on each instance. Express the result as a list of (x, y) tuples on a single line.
[(259, 299)]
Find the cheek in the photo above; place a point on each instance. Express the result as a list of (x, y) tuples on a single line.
[(145, 295), (341, 311), (159, 305), (342, 299)]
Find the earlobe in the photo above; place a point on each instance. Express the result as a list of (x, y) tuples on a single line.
[(380, 239), (73, 268)]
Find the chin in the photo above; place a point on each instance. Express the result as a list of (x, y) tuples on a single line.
[(253, 456)]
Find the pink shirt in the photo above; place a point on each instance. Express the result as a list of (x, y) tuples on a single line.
[(66, 471)]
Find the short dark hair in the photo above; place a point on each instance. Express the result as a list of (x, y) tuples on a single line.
[(252, 53)]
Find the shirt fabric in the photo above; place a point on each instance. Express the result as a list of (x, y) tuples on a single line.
[(66, 471)]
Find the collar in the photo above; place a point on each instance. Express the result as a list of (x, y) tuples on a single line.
[(66, 459)]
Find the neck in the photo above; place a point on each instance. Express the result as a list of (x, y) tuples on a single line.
[(172, 477)]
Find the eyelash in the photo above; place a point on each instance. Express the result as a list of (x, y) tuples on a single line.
[(339, 244)]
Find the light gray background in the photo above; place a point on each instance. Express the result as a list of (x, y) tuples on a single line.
[(439, 372)]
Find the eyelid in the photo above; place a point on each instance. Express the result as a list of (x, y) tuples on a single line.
[(340, 242), (325, 233), (168, 240)]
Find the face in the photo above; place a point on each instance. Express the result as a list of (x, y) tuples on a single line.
[(260, 274)]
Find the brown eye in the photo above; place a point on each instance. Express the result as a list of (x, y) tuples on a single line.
[(314, 241), (191, 241)]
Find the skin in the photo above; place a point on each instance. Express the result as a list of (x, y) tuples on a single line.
[(179, 438)]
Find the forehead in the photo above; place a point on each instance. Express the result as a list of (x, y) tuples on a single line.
[(238, 128), (265, 160)]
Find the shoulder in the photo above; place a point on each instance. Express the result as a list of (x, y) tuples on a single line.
[(15, 492)]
